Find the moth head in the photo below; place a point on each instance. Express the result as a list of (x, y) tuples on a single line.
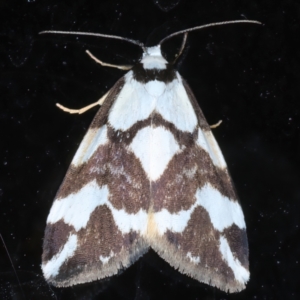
[(153, 59)]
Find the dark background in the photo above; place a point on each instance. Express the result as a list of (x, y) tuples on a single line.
[(246, 75)]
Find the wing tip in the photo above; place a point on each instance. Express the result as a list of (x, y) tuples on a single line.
[(198, 272), (66, 276)]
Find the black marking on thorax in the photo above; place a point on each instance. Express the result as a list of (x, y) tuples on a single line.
[(145, 75)]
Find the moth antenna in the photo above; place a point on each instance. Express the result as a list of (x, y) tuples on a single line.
[(205, 26), (116, 37), (182, 47)]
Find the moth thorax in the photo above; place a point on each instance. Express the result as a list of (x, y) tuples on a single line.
[(153, 59)]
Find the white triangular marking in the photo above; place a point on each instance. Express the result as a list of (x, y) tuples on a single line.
[(154, 147)]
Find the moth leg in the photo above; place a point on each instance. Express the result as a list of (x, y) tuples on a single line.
[(83, 109), (216, 125), (121, 67)]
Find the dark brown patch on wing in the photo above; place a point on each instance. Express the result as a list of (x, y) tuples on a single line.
[(176, 188), (56, 236), (202, 240), (237, 240), (221, 181), (116, 167), (187, 171), (101, 238), (94, 169), (128, 183), (154, 120), (196, 252)]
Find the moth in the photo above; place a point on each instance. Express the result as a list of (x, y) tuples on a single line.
[(148, 173)]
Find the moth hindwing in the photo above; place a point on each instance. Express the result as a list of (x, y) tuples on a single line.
[(148, 173)]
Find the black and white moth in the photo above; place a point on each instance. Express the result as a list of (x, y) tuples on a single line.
[(148, 173)]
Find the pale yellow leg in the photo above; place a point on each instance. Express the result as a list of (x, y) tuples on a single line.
[(83, 109), (216, 125), (124, 67)]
